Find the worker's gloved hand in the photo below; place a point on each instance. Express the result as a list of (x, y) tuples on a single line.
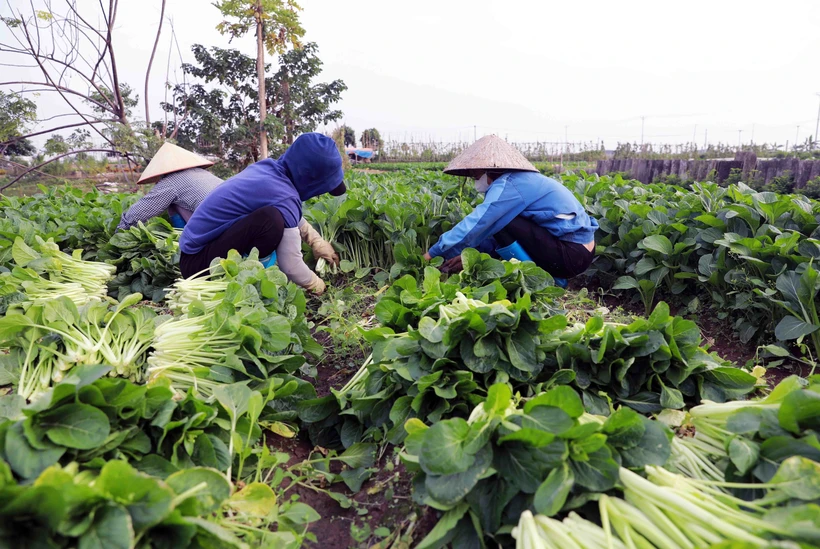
[(325, 250), (321, 247), (320, 287), (317, 285)]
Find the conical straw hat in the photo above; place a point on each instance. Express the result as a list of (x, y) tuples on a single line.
[(489, 153), (170, 159)]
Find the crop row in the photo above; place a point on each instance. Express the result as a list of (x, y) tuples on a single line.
[(749, 252), (147, 426)]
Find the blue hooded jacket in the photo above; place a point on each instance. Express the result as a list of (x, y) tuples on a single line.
[(542, 200), (310, 167)]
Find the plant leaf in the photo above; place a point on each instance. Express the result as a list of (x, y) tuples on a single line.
[(552, 494), (791, 327), (79, 426)]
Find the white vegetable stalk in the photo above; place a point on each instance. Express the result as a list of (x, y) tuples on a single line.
[(209, 289), (541, 532), (119, 337), (663, 511), (695, 458), (63, 274)]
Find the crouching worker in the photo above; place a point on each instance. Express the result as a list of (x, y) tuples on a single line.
[(261, 207), (525, 215), (181, 186)]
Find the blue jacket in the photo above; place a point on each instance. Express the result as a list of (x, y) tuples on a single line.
[(528, 194), (310, 167)]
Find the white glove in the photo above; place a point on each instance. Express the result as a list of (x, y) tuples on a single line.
[(316, 285), (321, 247)]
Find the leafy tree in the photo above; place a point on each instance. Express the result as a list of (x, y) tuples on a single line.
[(223, 120), (56, 144), (349, 135), (298, 103), (79, 139), (276, 24), (20, 147), (105, 96), (339, 138), (16, 115), (372, 139)]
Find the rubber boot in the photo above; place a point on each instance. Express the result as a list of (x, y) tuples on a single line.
[(513, 251), (177, 221), (269, 261)]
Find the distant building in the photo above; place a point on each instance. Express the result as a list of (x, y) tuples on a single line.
[(359, 154)]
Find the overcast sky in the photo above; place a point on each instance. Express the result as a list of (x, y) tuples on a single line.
[(538, 70)]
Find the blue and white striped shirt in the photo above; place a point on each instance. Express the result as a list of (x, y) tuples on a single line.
[(179, 192)]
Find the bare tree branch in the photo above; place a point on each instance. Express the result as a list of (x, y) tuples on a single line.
[(50, 160), (32, 134), (167, 80), (49, 79), (63, 115), (112, 15), (38, 171), (53, 87), (67, 66), (16, 65), (73, 7)]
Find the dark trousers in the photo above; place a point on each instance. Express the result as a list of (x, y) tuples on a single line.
[(261, 229), (558, 257)]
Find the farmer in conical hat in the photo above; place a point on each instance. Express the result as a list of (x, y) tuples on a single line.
[(181, 186), (525, 215), (261, 207)]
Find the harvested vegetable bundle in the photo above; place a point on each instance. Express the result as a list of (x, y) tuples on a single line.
[(91, 417), (669, 511), (757, 435), (51, 338), (46, 273), (238, 323), (146, 257), (698, 457), (574, 532)]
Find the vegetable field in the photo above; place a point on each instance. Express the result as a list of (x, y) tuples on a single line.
[(406, 407)]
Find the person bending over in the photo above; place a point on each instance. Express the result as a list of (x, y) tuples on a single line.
[(261, 207), (181, 186), (525, 215)]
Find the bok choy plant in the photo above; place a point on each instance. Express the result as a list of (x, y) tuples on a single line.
[(50, 339), (757, 435), (241, 322), (46, 273), (545, 453), (669, 511)]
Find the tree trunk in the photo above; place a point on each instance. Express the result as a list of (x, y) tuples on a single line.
[(287, 110), (112, 15), (151, 62), (260, 74)]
